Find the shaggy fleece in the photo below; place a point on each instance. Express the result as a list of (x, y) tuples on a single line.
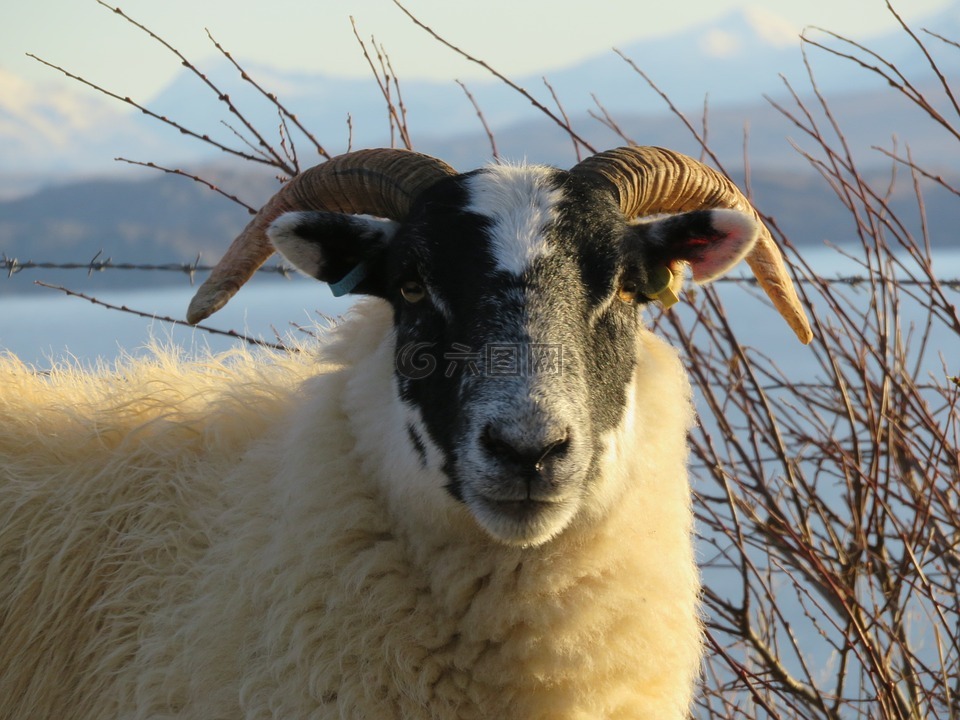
[(252, 537)]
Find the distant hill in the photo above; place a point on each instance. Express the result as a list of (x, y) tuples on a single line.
[(166, 219), (157, 219)]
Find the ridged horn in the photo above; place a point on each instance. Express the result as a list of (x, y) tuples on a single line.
[(381, 182), (648, 180)]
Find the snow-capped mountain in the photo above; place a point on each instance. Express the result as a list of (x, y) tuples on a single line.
[(44, 128), (733, 61)]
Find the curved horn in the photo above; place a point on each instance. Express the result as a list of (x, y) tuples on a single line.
[(382, 182), (649, 180)]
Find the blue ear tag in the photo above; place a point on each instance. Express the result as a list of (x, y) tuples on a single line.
[(349, 281)]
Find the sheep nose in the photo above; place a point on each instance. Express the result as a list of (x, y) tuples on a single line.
[(525, 454)]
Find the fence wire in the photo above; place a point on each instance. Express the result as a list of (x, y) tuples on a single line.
[(14, 266)]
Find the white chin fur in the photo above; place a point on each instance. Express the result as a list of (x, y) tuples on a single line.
[(524, 528)]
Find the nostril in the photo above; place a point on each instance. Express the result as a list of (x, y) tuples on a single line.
[(496, 445), (555, 449), (525, 454)]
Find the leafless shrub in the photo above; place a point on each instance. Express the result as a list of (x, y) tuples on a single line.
[(828, 491)]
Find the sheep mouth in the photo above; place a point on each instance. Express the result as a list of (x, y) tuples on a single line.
[(526, 521), (520, 509)]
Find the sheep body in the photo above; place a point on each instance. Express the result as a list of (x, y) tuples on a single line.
[(108, 486), (248, 538)]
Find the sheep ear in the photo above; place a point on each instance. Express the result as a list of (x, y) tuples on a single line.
[(710, 241), (344, 251)]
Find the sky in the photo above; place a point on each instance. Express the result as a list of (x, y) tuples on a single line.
[(516, 37)]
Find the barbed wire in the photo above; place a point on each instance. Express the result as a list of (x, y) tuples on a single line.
[(13, 266), (852, 280), (190, 268)]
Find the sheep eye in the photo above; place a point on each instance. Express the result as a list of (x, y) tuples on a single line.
[(628, 291), (413, 291)]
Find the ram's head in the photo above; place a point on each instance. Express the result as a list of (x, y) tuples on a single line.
[(527, 281)]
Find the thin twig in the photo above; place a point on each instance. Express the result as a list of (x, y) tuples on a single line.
[(563, 113), (385, 82), (271, 156), (166, 319), (483, 121), (500, 76), (285, 114), (190, 176)]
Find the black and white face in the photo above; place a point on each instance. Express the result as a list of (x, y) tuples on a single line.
[(516, 294)]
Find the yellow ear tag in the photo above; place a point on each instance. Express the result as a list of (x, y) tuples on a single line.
[(660, 287)]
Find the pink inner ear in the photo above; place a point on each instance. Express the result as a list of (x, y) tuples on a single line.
[(718, 255)]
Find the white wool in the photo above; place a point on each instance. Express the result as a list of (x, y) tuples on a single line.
[(253, 537)]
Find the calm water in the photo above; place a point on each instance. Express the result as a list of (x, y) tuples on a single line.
[(44, 324)]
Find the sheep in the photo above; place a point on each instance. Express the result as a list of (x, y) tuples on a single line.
[(469, 500)]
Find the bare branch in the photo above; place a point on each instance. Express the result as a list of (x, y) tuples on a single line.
[(502, 78), (163, 318), (190, 176), (285, 114), (483, 121)]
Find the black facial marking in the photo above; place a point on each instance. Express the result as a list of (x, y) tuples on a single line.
[(589, 217), (595, 228), (447, 340), (445, 248), (418, 445)]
